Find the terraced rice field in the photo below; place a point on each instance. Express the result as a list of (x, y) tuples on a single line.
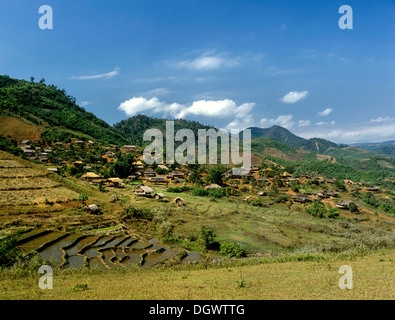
[(103, 251), (22, 184)]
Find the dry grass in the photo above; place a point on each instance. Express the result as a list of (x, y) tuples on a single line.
[(27, 183), (19, 129), (20, 173), (34, 197), (373, 278)]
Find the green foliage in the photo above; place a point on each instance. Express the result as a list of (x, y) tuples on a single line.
[(9, 146), (353, 207), (40, 103), (318, 209), (207, 239), (199, 192), (72, 171), (134, 127), (339, 185), (123, 167), (83, 197), (213, 193), (242, 282), (54, 135), (371, 200), (257, 203), (9, 252), (81, 287), (139, 213), (178, 189), (214, 174), (232, 249)]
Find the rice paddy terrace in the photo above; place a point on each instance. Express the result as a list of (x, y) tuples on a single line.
[(24, 185), (99, 250)]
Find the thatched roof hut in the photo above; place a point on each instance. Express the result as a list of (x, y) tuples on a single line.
[(143, 191), (159, 196), (179, 201)]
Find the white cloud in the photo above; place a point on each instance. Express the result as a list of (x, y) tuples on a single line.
[(85, 103), (107, 75), (158, 92), (136, 105), (210, 108), (304, 123), (294, 96), (380, 119), (325, 112), (226, 108), (323, 123), (363, 132), (283, 121), (243, 118), (210, 61)]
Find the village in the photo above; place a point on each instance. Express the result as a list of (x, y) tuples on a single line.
[(63, 158)]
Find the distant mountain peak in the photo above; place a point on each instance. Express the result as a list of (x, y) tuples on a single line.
[(283, 135)]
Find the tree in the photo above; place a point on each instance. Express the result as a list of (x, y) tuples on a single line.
[(83, 198), (214, 174), (123, 167)]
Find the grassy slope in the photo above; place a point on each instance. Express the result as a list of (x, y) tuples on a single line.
[(373, 278)]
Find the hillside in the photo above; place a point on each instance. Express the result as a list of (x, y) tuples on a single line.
[(285, 136), (387, 147), (43, 108), (134, 127)]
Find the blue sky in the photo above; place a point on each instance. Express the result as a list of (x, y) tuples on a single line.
[(233, 64)]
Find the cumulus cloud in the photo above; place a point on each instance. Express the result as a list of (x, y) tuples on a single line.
[(226, 108), (380, 119), (136, 105), (323, 123), (304, 123), (107, 75), (325, 112), (294, 96), (283, 121), (243, 118), (363, 132)]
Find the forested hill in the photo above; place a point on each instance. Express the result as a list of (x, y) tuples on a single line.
[(133, 128), (387, 147), (52, 110), (285, 136)]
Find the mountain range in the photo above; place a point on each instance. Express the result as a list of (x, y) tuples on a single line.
[(28, 107)]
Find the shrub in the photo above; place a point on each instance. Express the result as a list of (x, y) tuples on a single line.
[(232, 249), (178, 189), (166, 229), (371, 200), (332, 213), (83, 198), (257, 203), (199, 192), (353, 207), (138, 213), (339, 184), (317, 209), (207, 238), (9, 252)]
